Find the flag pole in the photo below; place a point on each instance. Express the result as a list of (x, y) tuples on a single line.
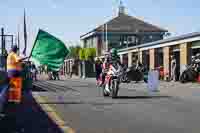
[(25, 34), (18, 40), (106, 37), (103, 39)]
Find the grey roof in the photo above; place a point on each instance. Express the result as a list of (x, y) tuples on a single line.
[(126, 23), (171, 39)]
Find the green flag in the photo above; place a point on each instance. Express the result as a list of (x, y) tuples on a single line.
[(48, 50)]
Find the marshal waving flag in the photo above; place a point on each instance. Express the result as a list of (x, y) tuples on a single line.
[(48, 50)]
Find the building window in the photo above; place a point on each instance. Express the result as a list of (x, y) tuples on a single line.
[(130, 39), (136, 40), (133, 39)]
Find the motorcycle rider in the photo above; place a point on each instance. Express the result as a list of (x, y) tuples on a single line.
[(111, 60), (115, 63)]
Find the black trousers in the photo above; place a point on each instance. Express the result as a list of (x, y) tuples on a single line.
[(98, 73)]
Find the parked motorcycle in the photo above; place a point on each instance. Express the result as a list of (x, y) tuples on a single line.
[(124, 77), (191, 71), (136, 73)]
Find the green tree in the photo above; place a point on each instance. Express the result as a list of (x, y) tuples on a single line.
[(90, 53), (87, 53), (93, 52), (74, 51), (82, 54)]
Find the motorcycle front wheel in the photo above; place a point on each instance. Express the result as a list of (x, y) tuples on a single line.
[(105, 93)]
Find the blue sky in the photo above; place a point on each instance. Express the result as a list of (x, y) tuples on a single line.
[(68, 19)]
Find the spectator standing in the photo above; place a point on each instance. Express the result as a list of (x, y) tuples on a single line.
[(173, 68), (34, 72), (98, 68), (55, 75)]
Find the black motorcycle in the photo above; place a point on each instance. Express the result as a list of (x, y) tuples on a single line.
[(136, 73), (124, 77), (191, 72)]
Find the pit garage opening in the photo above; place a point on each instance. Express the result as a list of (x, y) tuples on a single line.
[(145, 59), (195, 48)]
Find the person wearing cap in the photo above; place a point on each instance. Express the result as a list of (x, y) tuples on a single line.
[(14, 68), (34, 72)]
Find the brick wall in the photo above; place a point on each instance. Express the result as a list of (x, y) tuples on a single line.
[(184, 54), (152, 58), (130, 60), (166, 58), (140, 56)]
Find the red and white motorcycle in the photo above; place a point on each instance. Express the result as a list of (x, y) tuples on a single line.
[(112, 81)]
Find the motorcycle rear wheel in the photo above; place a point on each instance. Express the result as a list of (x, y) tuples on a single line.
[(183, 77)]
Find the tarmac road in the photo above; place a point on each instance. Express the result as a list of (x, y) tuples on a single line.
[(83, 108)]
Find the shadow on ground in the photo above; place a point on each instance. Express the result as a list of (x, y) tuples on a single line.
[(26, 117), (37, 89), (142, 97)]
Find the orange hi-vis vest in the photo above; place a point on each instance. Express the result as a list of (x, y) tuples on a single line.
[(13, 62), (14, 66)]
